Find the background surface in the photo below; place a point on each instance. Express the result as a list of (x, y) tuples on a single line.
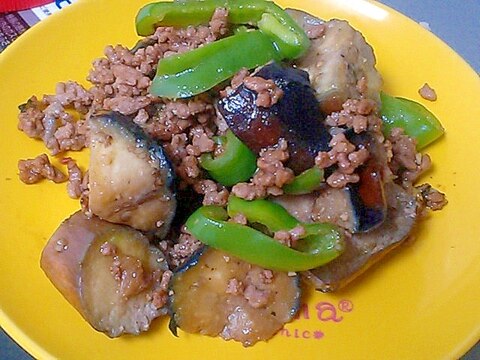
[(455, 22)]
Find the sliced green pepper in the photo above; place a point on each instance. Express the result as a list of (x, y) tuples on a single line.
[(237, 162), (415, 119), (288, 36), (279, 37), (306, 182), (196, 71), (320, 244)]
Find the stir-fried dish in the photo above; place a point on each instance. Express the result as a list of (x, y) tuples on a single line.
[(234, 150)]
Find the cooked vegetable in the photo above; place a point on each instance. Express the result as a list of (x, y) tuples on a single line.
[(308, 181), (295, 117), (359, 207), (364, 249), (367, 196), (414, 118), (108, 272), (235, 164), (320, 242), (216, 294), (131, 179), (288, 37), (196, 71), (338, 61)]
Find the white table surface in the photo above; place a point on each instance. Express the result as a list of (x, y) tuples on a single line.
[(457, 22)]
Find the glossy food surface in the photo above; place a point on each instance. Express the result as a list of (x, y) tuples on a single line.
[(421, 302)]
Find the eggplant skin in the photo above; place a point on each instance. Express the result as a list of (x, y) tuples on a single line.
[(131, 180), (364, 249), (202, 304), (296, 117), (83, 258)]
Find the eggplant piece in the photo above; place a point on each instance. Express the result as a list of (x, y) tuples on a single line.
[(367, 197), (359, 207), (364, 249), (108, 272), (296, 117), (215, 294), (131, 180), (340, 62)]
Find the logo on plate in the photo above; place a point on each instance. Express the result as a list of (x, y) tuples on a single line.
[(321, 312)]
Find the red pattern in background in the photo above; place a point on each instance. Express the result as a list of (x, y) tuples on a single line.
[(15, 5)]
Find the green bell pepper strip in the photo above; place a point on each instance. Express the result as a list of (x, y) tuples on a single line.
[(287, 35), (237, 162), (417, 122), (322, 242), (306, 182), (199, 70)]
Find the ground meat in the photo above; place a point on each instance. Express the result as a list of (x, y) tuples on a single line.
[(214, 194), (84, 196), (201, 142), (255, 290), (128, 271), (160, 295), (427, 92), (126, 104), (345, 156), (189, 169), (185, 247), (57, 119), (235, 82), (108, 249), (289, 237), (75, 179), (339, 180), (234, 287), (433, 199), (406, 163), (175, 117), (32, 171), (121, 79), (271, 175), (357, 114), (219, 22), (239, 218), (268, 93)]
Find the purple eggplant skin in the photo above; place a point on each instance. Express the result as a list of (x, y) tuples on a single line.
[(296, 117), (368, 199), (369, 203), (141, 194)]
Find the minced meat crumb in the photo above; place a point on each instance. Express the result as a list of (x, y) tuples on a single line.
[(433, 199), (406, 162), (32, 171), (214, 194), (271, 175), (185, 247), (427, 92), (54, 118), (360, 115), (75, 179), (239, 218), (289, 237), (268, 93), (347, 158), (256, 290)]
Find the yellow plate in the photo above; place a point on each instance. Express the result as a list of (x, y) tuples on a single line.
[(420, 303)]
